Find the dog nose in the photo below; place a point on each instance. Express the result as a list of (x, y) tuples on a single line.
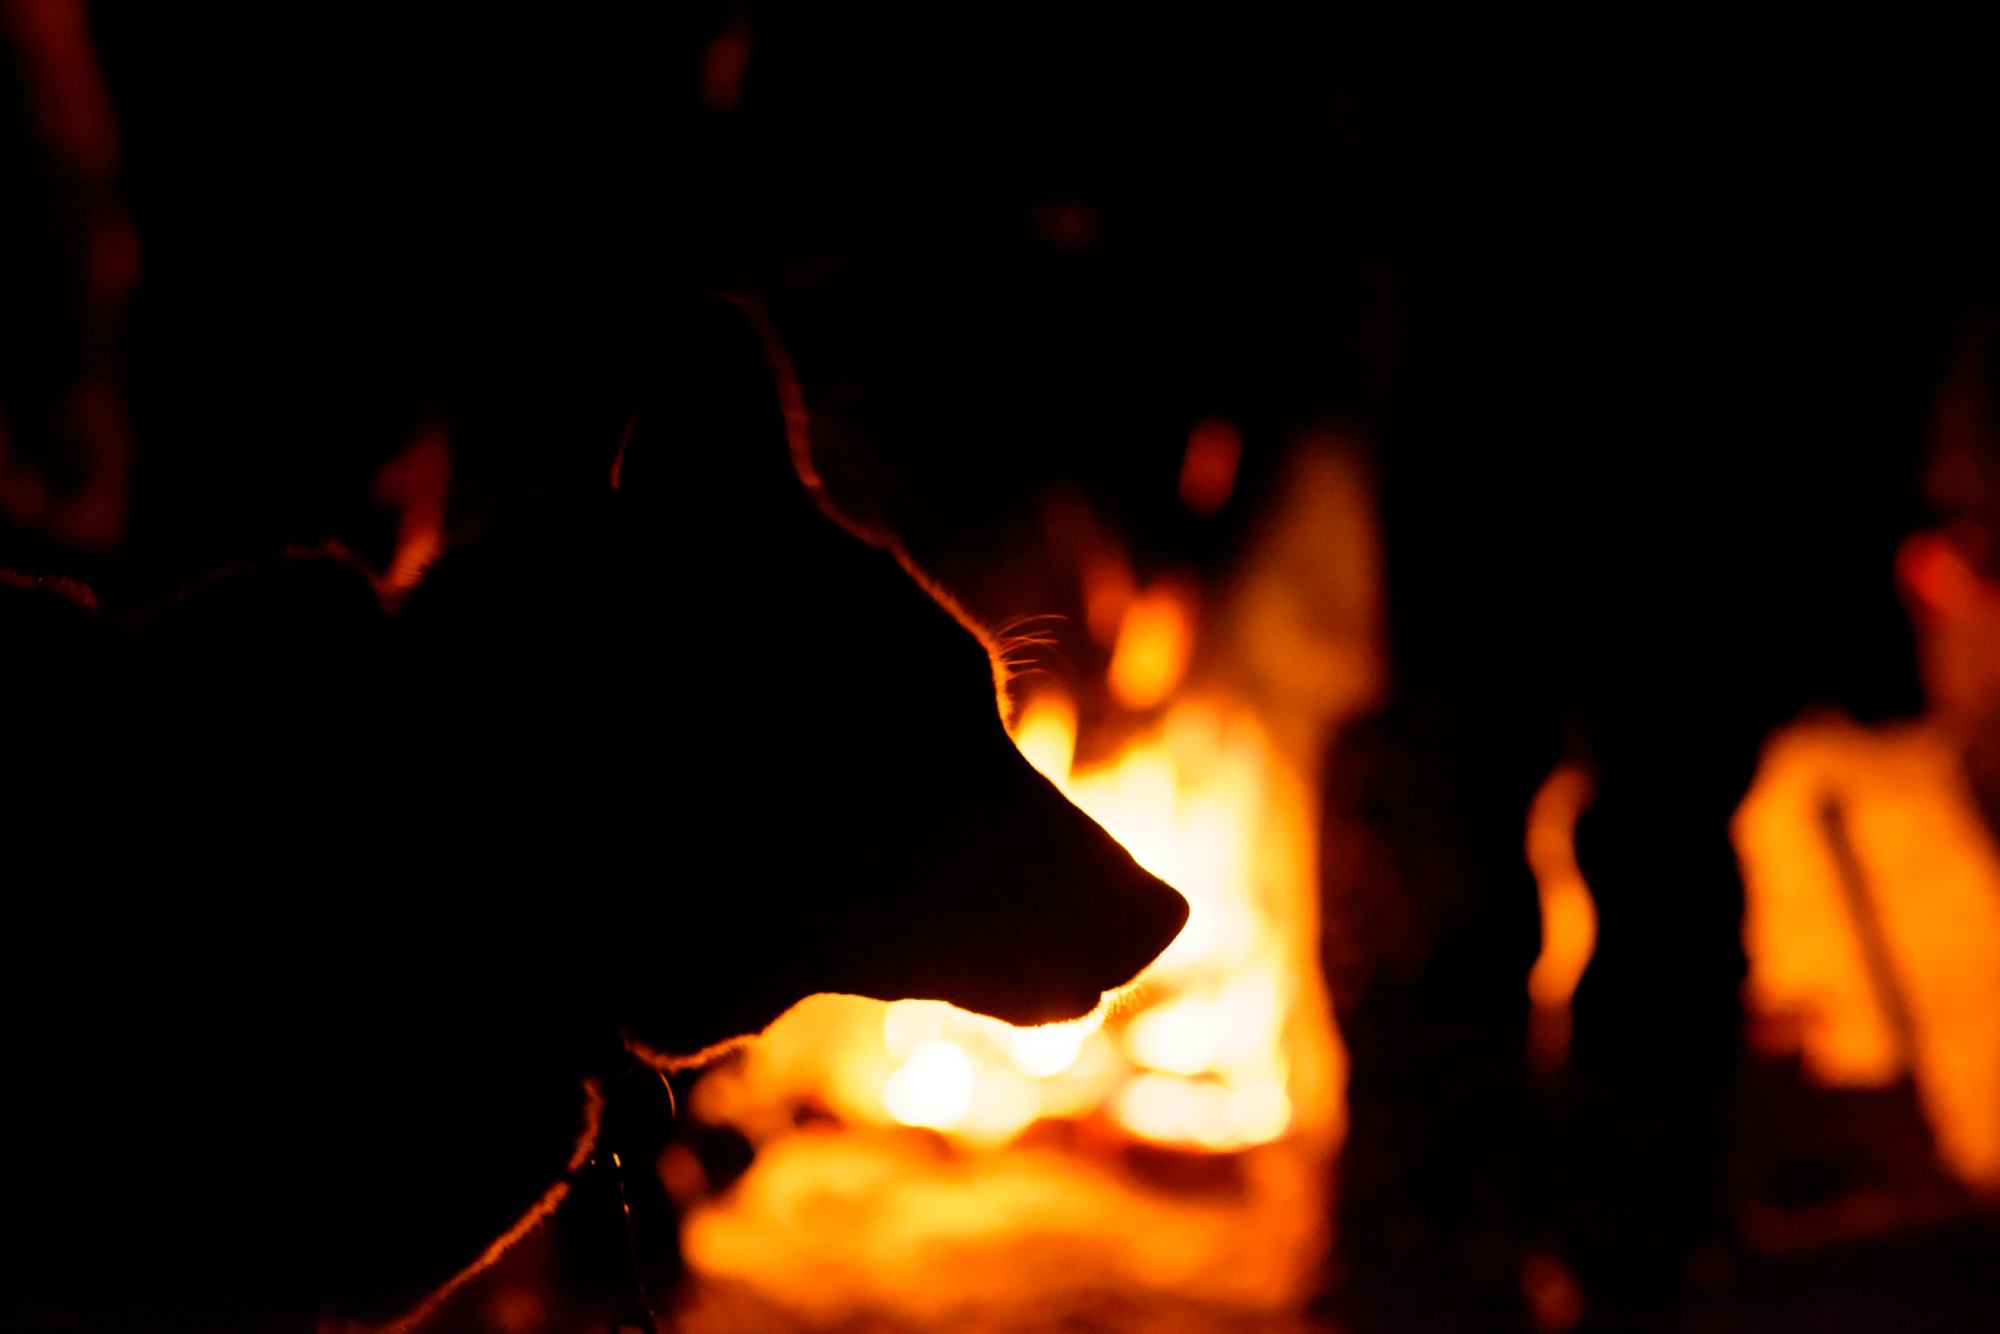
[(1139, 916), (1110, 916), (1159, 923), (1116, 920)]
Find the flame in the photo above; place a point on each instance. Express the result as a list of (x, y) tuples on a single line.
[(1208, 1049), (1048, 1051), (1108, 589), (1045, 733), (417, 481), (1194, 1056), (1019, 1193), (1569, 915), (1199, 1060), (1154, 643), (1208, 469), (1213, 1050), (933, 1087), (1930, 870)]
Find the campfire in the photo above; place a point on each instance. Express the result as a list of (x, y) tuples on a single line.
[(558, 412), (916, 1138), (1195, 1055)]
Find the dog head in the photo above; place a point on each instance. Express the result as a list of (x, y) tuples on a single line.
[(782, 747)]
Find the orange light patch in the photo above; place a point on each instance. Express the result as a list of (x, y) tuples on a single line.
[(418, 482), (1569, 917), (1208, 468), (1154, 643)]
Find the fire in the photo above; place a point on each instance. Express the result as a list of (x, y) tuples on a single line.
[(1218, 1056), (1208, 469), (980, 1080), (1223, 1044), (1922, 858), (933, 1087), (1199, 1061), (968, 1152), (1046, 735), (1569, 914), (1195, 1056), (1153, 646), (418, 483)]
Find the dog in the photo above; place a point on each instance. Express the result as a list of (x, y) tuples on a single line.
[(324, 915)]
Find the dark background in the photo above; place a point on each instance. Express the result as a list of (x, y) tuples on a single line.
[(1631, 316), (1641, 327)]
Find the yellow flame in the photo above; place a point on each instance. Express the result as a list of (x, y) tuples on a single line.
[(1209, 1017), (1046, 734), (1048, 1051), (1203, 1112), (1223, 1046), (1205, 1049), (933, 1087), (1179, 1038)]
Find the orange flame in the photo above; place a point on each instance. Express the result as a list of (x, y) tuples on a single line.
[(1931, 873), (417, 481), (1200, 1060), (1221, 1054), (1155, 640), (1569, 916)]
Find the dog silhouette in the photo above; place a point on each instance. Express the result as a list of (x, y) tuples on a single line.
[(325, 915)]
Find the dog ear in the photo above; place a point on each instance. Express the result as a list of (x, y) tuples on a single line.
[(774, 763), (720, 428)]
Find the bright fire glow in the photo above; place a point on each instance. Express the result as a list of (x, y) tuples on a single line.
[(1047, 1051), (1200, 1055), (1023, 1198), (1209, 1048), (1200, 1060), (1046, 735), (933, 1087)]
